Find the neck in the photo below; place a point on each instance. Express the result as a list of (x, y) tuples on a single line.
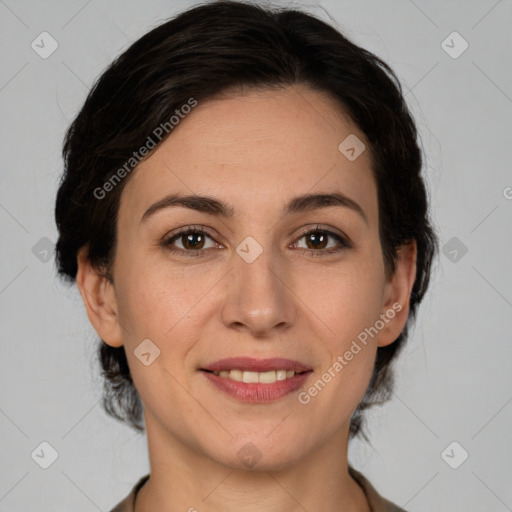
[(184, 480)]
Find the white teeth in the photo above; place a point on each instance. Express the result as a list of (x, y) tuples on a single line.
[(255, 377), (235, 375), (267, 377), (281, 374), (250, 377)]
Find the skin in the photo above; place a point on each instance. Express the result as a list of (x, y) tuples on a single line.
[(254, 150)]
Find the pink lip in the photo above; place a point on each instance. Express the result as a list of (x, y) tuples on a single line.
[(256, 365), (257, 392)]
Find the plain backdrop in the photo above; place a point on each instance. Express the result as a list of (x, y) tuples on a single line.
[(454, 381)]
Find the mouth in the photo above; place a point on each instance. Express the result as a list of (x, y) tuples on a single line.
[(253, 380), (249, 364), (250, 377)]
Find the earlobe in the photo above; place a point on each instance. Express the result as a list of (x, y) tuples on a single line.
[(99, 299), (398, 294)]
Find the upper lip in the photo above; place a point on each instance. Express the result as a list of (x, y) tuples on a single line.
[(256, 365)]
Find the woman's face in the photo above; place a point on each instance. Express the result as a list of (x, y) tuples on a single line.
[(254, 284)]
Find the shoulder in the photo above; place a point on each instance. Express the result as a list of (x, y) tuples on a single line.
[(375, 500), (128, 503)]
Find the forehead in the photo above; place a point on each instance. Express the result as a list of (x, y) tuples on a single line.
[(256, 148)]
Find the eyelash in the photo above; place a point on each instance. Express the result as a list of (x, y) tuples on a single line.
[(344, 244)]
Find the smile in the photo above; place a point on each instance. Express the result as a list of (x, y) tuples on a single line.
[(256, 387), (254, 377)]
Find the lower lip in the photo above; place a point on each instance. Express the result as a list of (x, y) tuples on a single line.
[(256, 392)]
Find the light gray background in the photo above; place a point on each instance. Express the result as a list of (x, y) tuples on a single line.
[(454, 380)]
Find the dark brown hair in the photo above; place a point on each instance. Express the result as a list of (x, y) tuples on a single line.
[(205, 51)]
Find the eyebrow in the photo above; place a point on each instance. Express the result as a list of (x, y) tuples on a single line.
[(212, 206)]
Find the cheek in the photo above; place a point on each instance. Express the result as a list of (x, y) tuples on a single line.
[(153, 294), (155, 304), (166, 305), (347, 299), (347, 310)]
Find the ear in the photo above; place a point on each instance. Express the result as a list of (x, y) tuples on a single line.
[(397, 295), (99, 299)]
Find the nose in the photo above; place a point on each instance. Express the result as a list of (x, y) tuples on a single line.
[(259, 296)]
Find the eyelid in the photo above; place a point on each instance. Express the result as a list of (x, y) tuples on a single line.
[(324, 229), (189, 227), (169, 238), (343, 240)]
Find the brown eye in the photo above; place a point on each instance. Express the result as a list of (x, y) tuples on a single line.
[(192, 242), (317, 242)]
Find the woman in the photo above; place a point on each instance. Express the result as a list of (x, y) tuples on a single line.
[(243, 212)]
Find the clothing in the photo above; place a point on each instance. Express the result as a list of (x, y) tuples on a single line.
[(377, 503)]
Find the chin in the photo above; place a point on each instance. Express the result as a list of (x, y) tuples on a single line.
[(262, 452)]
